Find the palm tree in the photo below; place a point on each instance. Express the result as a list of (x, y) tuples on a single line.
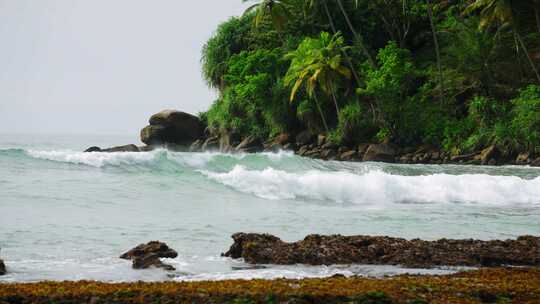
[(437, 49), (357, 35), (317, 65), (501, 12), (277, 10)]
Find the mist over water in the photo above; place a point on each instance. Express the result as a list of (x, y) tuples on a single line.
[(68, 215)]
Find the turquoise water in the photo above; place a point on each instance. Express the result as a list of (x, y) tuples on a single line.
[(67, 215)]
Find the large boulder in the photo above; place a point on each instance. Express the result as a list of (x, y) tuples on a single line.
[(126, 148), (380, 153), (172, 127), (360, 249), (148, 255)]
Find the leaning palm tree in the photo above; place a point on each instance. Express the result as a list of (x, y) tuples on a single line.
[(501, 12), (317, 65), (276, 10)]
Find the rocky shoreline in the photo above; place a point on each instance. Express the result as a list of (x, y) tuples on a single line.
[(337, 249), (183, 132)]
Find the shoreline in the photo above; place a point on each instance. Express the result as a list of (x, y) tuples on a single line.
[(500, 285)]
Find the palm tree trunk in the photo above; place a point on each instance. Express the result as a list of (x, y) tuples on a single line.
[(335, 100), (437, 51), (531, 62), (349, 61), (321, 112), (357, 36), (537, 14)]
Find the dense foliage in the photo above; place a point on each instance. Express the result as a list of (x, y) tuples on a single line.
[(459, 74)]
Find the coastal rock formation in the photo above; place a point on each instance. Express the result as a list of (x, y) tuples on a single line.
[(2, 268), (337, 249), (172, 127), (126, 148), (380, 153), (148, 255)]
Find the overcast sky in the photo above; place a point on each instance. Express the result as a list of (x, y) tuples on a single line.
[(102, 66)]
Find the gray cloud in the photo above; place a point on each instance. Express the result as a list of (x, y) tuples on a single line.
[(102, 66)]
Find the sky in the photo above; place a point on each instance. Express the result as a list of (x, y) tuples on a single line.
[(102, 66)]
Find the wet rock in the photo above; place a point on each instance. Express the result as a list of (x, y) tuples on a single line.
[(536, 162), (337, 249), (92, 149), (2, 268), (321, 140), (146, 148), (304, 138), (126, 148), (463, 158), (148, 255), (250, 144), (174, 127), (362, 148), (380, 153)]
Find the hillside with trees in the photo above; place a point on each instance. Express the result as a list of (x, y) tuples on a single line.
[(457, 75)]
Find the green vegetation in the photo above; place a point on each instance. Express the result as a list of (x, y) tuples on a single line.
[(460, 75)]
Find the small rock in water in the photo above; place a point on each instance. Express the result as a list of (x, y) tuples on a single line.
[(2, 268), (93, 149), (148, 255)]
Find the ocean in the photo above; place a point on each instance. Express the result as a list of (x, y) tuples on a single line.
[(68, 215)]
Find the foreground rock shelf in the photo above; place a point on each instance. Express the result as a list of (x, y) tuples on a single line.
[(337, 249), (483, 286)]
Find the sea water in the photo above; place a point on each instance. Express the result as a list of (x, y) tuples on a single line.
[(68, 215)]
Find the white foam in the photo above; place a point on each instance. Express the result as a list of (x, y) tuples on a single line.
[(95, 159), (377, 187)]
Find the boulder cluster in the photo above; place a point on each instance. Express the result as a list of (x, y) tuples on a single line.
[(148, 255), (337, 249), (180, 131)]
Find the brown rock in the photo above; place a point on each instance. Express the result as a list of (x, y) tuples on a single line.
[(172, 127), (148, 255), (250, 144), (337, 249), (362, 148), (523, 158), (321, 140), (304, 138), (536, 163), (488, 154), (380, 153), (348, 155)]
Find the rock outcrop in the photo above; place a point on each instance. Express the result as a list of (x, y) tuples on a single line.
[(380, 153), (126, 148), (172, 127), (337, 249), (3, 270), (148, 255)]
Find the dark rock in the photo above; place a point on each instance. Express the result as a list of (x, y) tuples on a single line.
[(92, 149), (3, 270), (362, 148), (337, 249), (148, 255), (463, 158), (536, 163), (175, 127), (126, 148), (146, 148), (380, 153), (250, 144), (328, 154), (282, 139), (304, 138)]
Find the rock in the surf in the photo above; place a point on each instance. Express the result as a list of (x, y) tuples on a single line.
[(172, 127), (148, 255), (337, 249), (380, 153), (126, 148), (3, 270)]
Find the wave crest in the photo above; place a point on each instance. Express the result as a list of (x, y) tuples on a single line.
[(377, 186)]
